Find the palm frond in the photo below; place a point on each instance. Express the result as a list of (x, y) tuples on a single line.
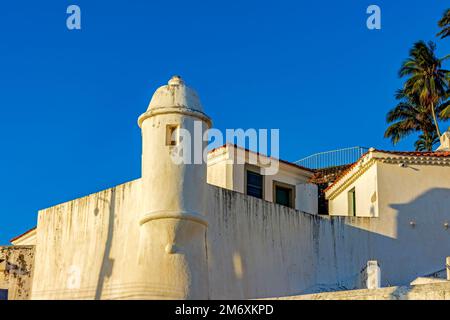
[(426, 142), (444, 24)]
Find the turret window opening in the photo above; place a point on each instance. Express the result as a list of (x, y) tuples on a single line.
[(172, 134)]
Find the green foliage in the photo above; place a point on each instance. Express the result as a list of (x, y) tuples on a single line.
[(423, 98), (444, 24), (408, 116), (426, 142), (424, 74)]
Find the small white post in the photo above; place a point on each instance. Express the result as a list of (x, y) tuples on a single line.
[(373, 275), (447, 266)]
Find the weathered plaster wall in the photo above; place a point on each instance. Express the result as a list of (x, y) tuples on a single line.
[(306, 199), (258, 249), (87, 248), (435, 291), (16, 271)]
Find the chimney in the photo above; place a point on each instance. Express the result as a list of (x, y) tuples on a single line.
[(445, 142)]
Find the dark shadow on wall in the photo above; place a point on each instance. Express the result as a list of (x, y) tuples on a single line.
[(420, 244), (107, 263), (327, 253), (423, 228)]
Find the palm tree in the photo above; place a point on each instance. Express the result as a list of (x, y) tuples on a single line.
[(444, 24), (425, 77), (445, 107), (409, 116), (426, 142)]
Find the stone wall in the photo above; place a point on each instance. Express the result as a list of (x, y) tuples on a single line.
[(16, 266)]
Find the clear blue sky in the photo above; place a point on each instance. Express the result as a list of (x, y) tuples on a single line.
[(70, 99)]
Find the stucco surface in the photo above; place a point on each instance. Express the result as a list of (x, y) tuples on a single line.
[(87, 248), (259, 249), (366, 187)]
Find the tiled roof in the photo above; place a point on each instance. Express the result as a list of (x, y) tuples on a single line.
[(20, 236), (328, 175), (438, 154)]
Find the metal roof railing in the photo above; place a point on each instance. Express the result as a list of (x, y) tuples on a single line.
[(332, 158)]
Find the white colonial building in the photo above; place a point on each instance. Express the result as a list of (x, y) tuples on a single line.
[(230, 167)]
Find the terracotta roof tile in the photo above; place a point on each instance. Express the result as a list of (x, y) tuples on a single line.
[(21, 235), (328, 175), (439, 154)]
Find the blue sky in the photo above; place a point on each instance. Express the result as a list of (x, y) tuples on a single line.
[(70, 99)]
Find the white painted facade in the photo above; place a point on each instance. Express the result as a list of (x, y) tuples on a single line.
[(381, 179), (227, 168), (366, 194)]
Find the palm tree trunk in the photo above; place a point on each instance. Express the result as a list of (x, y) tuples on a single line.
[(435, 120)]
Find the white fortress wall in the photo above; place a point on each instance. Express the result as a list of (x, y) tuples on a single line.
[(258, 249), (87, 248)]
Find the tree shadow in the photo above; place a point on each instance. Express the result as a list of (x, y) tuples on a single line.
[(107, 263)]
